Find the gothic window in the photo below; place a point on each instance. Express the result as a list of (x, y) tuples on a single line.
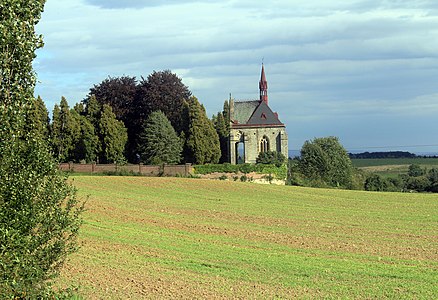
[(264, 144)]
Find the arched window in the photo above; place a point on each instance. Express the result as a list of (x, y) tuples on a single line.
[(264, 144)]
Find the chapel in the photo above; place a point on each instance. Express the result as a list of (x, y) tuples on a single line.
[(255, 128)]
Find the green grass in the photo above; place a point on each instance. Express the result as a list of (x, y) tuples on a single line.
[(191, 238)]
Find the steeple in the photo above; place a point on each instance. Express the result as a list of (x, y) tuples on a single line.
[(263, 86)]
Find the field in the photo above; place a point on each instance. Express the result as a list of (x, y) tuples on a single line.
[(155, 238), (392, 167)]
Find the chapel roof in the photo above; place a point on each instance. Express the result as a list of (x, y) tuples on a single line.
[(243, 110)]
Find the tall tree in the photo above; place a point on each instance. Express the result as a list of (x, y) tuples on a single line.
[(38, 209), (164, 91), (87, 146), (113, 135), (202, 144), (117, 92), (38, 119), (66, 130), (159, 142), (223, 133), (327, 160), (121, 94)]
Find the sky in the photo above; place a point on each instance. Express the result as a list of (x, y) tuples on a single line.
[(364, 71)]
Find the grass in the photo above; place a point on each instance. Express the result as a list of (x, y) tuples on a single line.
[(157, 238), (373, 162), (393, 167)]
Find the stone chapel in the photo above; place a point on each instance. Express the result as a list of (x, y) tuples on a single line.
[(255, 128)]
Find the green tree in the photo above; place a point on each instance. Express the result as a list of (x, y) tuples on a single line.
[(223, 133), (415, 171), (375, 183), (326, 160), (39, 214), (113, 136), (87, 147), (38, 119), (159, 142), (271, 158), (66, 130), (93, 110), (202, 144)]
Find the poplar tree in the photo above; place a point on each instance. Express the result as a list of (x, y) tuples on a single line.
[(38, 118), (202, 144), (66, 130), (113, 136), (39, 214)]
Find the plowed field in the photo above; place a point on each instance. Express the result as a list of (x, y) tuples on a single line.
[(173, 238)]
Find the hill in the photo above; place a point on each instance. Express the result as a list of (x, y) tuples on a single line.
[(181, 238)]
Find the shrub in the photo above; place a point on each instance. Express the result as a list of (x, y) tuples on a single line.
[(375, 183), (271, 158)]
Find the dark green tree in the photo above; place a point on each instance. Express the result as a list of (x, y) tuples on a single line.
[(375, 183), (202, 143), (326, 160), (87, 147), (39, 214), (159, 142), (38, 119), (226, 115), (223, 133), (415, 171), (65, 131), (271, 158), (92, 111), (113, 136)]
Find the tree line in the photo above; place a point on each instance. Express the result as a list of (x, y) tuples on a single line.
[(155, 120)]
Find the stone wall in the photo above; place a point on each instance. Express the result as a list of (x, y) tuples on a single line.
[(146, 170)]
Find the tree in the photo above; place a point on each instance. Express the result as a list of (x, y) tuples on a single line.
[(113, 136), (223, 133), (66, 131), (202, 144), (375, 183), (159, 142), (39, 213), (164, 91), (415, 171), (271, 158), (38, 119), (117, 92), (326, 160), (87, 147)]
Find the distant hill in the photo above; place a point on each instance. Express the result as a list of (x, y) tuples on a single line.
[(386, 154)]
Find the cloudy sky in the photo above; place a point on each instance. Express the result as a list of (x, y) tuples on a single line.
[(365, 71)]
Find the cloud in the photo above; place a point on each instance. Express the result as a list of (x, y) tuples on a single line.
[(124, 4), (326, 61)]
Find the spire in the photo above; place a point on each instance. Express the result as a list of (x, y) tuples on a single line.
[(263, 86)]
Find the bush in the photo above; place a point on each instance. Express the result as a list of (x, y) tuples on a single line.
[(375, 183), (271, 158)]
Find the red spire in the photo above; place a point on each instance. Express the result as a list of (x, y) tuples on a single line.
[(263, 86)]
